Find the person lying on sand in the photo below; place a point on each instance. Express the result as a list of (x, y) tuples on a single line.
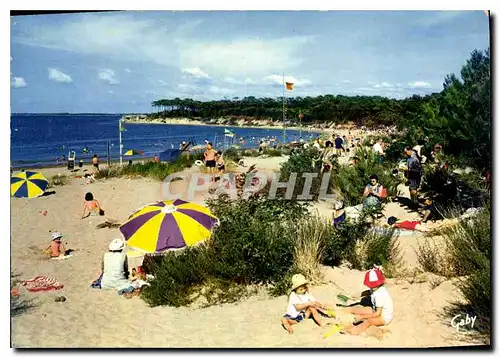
[(56, 248), (382, 310), (419, 225), (301, 304), (90, 205)]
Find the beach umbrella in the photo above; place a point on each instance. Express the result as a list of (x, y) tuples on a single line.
[(133, 152), (28, 184), (168, 225)]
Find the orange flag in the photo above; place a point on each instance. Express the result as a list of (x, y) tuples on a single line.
[(289, 86)]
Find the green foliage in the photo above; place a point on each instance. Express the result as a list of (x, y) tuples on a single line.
[(176, 277), (352, 180), (249, 247), (467, 255), (58, 180), (18, 304), (158, 171), (300, 162)]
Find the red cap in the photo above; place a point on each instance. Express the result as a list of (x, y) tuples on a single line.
[(374, 278)]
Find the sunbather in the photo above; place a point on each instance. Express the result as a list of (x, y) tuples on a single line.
[(90, 206)]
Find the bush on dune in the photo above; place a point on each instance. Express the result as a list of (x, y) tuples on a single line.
[(158, 171), (352, 180), (466, 255)]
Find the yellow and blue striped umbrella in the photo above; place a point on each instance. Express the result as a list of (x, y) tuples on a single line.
[(28, 184), (168, 225)]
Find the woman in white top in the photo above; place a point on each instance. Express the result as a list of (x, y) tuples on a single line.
[(382, 311), (115, 269)]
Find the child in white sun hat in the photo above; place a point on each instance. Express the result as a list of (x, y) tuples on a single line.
[(301, 304), (382, 310)]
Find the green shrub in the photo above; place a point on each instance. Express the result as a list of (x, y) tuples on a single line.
[(177, 276), (431, 259), (340, 245), (467, 255), (249, 243), (309, 237), (352, 180), (300, 162), (58, 180), (18, 304), (158, 171)]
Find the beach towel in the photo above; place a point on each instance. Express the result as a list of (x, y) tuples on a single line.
[(42, 283), (63, 257)]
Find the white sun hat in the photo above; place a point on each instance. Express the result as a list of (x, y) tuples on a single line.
[(116, 244), (56, 235)]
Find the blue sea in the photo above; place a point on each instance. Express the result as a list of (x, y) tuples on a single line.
[(43, 139)]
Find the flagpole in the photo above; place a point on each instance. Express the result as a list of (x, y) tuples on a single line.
[(284, 130), (121, 145)]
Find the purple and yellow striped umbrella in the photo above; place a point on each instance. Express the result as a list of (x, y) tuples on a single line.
[(168, 225)]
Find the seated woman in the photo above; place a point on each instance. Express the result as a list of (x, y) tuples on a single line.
[(90, 205), (339, 214), (374, 193), (115, 270)]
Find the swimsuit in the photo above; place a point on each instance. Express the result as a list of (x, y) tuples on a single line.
[(408, 225)]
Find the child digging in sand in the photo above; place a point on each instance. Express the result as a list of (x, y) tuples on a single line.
[(56, 249), (301, 304), (382, 310)]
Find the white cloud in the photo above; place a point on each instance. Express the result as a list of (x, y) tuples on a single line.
[(244, 56), (158, 41), (346, 81), (111, 92), (59, 76), (109, 76), (18, 82), (195, 72), (233, 81), (382, 85), (127, 70), (419, 84), (279, 80), (220, 90), (189, 89), (163, 83)]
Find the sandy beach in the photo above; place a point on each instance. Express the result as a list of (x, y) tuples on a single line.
[(99, 318), (263, 124)]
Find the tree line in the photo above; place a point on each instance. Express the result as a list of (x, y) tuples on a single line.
[(458, 117)]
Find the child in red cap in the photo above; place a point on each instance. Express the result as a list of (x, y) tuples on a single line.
[(382, 310)]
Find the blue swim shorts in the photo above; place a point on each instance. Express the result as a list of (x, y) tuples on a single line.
[(299, 318)]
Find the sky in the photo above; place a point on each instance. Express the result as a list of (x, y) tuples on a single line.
[(119, 62)]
